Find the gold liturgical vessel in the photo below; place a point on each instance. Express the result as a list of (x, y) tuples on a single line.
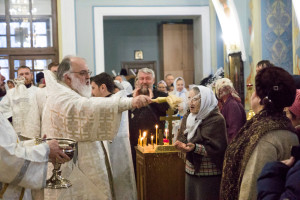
[(172, 100), (57, 181), (250, 113)]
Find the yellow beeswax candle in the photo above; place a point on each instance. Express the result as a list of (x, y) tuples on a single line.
[(152, 141), (156, 127)]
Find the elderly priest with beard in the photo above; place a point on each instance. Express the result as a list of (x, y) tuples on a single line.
[(70, 113), (23, 166)]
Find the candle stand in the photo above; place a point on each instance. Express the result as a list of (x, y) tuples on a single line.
[(160, 175)]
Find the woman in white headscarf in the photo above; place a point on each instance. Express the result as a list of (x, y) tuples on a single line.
[(202, 136), (180, 91)]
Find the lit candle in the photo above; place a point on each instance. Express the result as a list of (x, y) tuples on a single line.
[(144, 136), (156, 126), (166, 130), (140, 137), (152, 141)]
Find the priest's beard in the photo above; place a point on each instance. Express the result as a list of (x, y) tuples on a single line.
[(83, 89)]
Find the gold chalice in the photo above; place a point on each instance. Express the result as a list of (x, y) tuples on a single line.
[(57, 181)]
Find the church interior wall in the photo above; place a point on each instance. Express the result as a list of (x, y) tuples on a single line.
[(276, 31), (85, 39), (242, 8), (84, 20), (123, 37), (296, 44), (220, 45)]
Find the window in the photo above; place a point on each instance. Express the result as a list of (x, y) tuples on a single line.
[(28, 35), (4, 67)]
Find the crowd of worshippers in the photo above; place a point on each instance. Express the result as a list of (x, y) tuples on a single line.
[(226, 157)]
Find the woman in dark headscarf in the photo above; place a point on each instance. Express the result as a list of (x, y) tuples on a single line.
[(267, 137), (202, 136)]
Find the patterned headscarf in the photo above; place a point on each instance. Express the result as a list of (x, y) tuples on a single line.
[(223, 87)]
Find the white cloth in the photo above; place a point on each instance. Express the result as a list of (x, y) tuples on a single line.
[(21, 163), (121, 161), (127, 87), (41, 96), (87, 120), (20, 104), (208, 103)]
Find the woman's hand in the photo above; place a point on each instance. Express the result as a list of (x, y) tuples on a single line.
[(189, 147), (178, 145), (289, 162), (184, 147)]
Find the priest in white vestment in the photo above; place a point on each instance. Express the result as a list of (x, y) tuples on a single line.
[(23, 165), (19, 103), (68, 113), (119, 149)]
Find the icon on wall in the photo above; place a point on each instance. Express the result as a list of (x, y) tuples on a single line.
[(138, 55)]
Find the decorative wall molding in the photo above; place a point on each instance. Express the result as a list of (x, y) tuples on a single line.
[(200, 14)]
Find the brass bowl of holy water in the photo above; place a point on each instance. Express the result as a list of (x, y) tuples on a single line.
[(57, 181)]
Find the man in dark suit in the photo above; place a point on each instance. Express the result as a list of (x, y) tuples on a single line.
[(146, 118)]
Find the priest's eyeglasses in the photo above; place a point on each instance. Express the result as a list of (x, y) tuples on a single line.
[(83, 73)]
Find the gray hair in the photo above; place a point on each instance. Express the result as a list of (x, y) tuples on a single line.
[(196, 90), (64, 67), (147, 71)]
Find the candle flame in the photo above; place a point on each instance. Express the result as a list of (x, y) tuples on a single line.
[(156, 126), (151, 137), (144, 134)]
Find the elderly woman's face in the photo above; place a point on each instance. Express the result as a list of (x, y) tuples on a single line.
[(194, 102)]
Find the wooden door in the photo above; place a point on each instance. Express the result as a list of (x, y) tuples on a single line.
[(177, 51)]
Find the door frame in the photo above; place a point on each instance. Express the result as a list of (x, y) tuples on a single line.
[(201, 23)]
